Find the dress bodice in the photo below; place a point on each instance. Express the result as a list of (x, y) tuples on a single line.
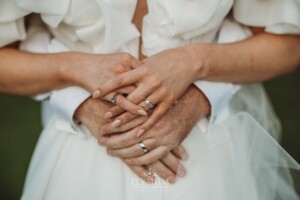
[(105, 26)]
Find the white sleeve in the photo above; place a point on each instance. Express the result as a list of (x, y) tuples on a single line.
[(276, 16), (219, 94), (64, 103)]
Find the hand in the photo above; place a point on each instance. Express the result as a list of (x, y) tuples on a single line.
[(167, 168), (91, 70), (162, 79), (91, 114), (163, 137)]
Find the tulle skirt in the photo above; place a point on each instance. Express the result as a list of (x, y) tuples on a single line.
[(238, 159)]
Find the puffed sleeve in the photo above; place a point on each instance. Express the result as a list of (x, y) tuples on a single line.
[(277, 16), (12, 26)]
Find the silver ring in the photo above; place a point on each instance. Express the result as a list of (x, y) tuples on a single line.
[(143, 147), (148, 103), (115, 96)]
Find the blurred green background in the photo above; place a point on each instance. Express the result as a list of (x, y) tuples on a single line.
[(18, 133)]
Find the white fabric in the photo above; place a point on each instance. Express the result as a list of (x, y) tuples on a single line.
[(227, 163), (77, 27)]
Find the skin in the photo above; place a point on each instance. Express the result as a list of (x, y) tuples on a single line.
[(251, 60), (163, 140), (61, 70), (254, 59)]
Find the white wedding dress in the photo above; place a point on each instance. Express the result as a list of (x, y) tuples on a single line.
[(234, 155)]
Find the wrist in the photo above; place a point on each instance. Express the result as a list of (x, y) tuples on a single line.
[(69, 67), (200, 55)]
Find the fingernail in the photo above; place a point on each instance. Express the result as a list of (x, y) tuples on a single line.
[(108, 115), (171, 179), (140, 132), (142, 112), (96, 94), (116, 123), (181, 172)]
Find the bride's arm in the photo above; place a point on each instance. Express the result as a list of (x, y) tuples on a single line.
[(23, 73), (259, 58)]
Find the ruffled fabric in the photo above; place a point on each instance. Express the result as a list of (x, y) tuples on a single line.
[(167, 25), (11, 22), (76, 23), (277, 16)]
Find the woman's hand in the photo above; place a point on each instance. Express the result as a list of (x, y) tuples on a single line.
[(92, 70), (168, 168), (162, 138), (91, 114), (161, 79)]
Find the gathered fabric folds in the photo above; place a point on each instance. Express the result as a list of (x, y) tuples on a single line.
[(238, 158)]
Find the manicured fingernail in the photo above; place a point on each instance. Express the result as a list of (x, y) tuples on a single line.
[(116, 123), (142, 112), (108, 115), (140, 132), (171, 179), (96, 94), (181, 172)]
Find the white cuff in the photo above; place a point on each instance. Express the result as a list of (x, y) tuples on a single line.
[(64, 103), (219, 95)]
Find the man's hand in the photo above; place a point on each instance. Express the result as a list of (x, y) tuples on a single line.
[(163, 138), (178, 121), (91, 114)]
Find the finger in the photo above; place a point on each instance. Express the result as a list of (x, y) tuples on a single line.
[(150, 157), (135, 63), (127, 105), (180, 152), (120, 141), (136, 97), (122, 80), (161, 170), (173, 163), (110, 129), (156, 115), (142, 172), (126, 117), (134, 150)]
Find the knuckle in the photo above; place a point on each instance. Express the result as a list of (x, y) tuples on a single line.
[(123, 142), (137, 161), (144, 71), (126, 57), (156, 82), (119, 69), (137, 152)]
